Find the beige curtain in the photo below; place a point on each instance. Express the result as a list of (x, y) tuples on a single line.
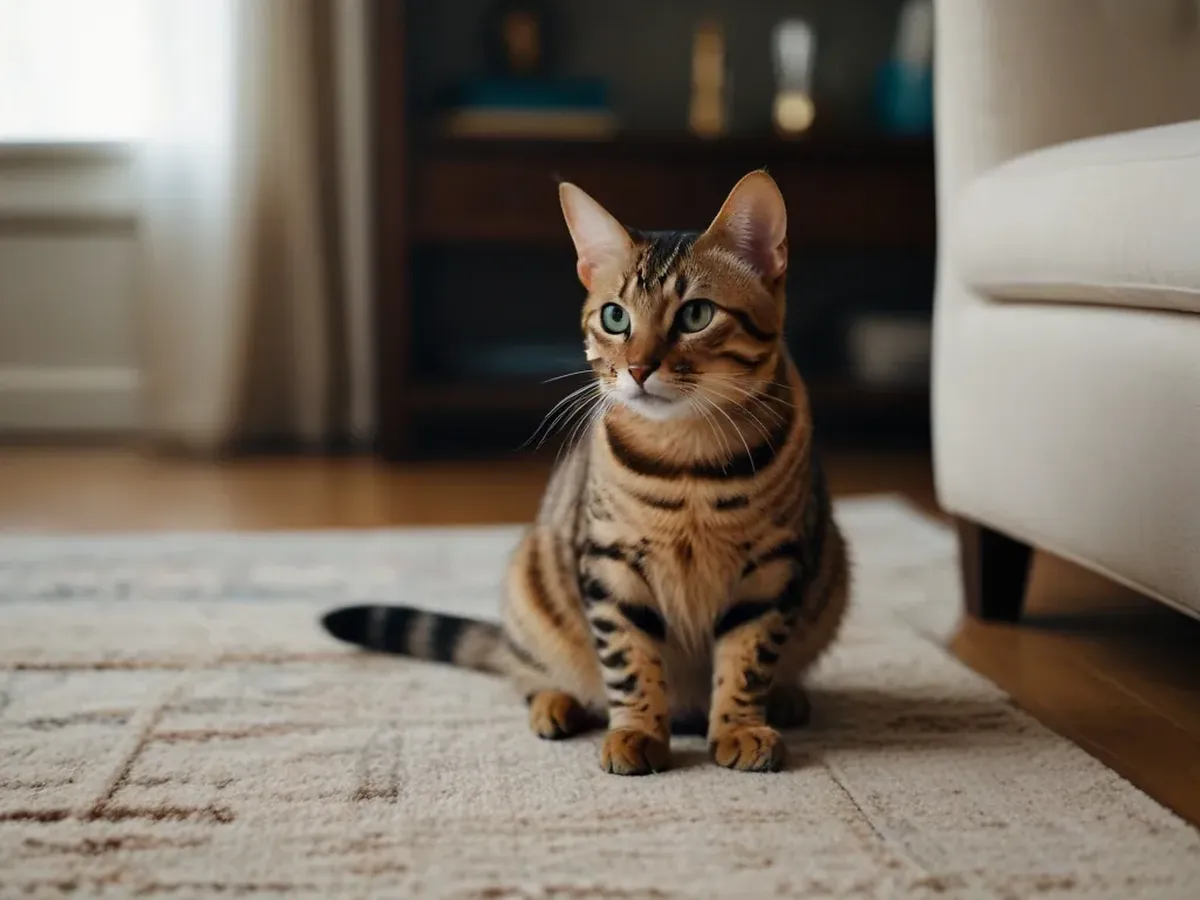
[(255, 264)]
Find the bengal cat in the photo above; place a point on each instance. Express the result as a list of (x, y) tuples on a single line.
[(684, 563)]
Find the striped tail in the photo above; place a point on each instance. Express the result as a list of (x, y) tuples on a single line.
[(422, 635)]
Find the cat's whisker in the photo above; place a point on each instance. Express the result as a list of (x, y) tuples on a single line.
[(762, 382), (591, 409), (764, 397), (712, 424), (580, 402), (565, 401), (569, 375), (606, 404), (575, 409), (754, 396), (691, 401), (726, 449), (740, 394), (742, 404), (575, 393), (762, 429), (567, 415), (736, 430), (583, 427), (560, 421)]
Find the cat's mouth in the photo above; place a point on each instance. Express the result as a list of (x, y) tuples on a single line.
[(653, 399), (653, 406)]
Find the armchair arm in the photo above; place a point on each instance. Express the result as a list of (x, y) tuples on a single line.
[(1013, 76), (1016, 75)]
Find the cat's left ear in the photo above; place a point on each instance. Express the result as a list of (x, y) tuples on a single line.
[(753, 224), (600, 240)]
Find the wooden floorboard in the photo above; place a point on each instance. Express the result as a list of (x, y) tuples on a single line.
[(1112, 671)]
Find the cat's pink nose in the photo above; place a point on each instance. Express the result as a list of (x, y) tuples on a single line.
[(641, 371)]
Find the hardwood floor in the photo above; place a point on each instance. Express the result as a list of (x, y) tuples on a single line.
[(107, 490), (1112, 671)]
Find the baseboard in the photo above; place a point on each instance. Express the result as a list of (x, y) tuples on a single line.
[(44, 400)]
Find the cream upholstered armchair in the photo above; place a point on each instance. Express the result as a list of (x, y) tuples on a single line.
[(1067, 325)]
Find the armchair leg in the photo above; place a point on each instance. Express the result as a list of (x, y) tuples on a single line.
[(995, 571)]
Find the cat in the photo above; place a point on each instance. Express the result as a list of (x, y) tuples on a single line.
[(685, 568)]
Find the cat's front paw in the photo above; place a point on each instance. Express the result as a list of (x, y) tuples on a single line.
[(554, 715), (627, 751), (754, 748)]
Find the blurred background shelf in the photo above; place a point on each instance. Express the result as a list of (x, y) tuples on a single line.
[(818, 144), (844, 188), (477, 301)]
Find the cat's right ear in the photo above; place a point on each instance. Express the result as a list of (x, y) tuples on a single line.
[(601, 242)]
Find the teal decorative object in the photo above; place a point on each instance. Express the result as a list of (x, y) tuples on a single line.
[(904, 84)]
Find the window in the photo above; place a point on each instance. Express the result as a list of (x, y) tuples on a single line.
[(72, 70)]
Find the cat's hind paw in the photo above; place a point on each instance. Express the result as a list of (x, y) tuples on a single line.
[(554, 715)]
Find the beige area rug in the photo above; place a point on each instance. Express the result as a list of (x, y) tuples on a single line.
[(172, 722)]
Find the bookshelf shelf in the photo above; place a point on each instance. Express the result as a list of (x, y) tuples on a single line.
[(847, 188)]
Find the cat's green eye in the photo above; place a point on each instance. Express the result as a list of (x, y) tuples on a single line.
[(696, 315), (614, 318)]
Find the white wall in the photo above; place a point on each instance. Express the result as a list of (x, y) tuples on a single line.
[(68, 361)]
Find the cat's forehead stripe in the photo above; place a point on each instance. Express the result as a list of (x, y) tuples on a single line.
[(661, 252), (681, 284)]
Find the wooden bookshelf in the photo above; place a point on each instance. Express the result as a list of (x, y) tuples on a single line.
[(436, 194)]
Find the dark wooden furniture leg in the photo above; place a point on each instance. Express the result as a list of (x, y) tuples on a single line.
[(995, 570)]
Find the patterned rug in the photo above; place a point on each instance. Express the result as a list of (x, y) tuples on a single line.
[(172, 722)]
